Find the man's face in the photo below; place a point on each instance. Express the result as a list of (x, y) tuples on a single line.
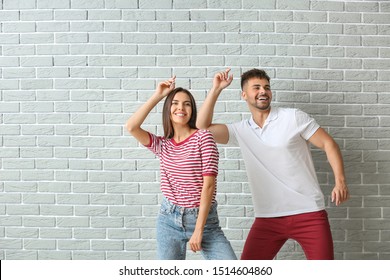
[(257, 93)]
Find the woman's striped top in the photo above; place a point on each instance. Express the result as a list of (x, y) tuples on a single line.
[(183, 165)]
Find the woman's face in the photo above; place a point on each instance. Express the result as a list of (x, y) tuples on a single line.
[(181, 108)]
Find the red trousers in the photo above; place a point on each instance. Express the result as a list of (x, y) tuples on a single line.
[(310, 230)]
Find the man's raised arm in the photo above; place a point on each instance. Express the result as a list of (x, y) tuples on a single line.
[(205, 116)]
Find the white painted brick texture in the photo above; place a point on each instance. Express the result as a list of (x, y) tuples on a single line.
[(75, 185)]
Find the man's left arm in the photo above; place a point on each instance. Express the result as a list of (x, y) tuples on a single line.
[(325, 142)]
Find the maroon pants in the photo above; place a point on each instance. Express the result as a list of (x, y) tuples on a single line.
[(310, 230)]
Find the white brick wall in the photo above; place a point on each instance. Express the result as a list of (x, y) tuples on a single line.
[(75, 185)]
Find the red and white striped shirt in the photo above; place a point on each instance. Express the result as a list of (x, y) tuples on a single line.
[(183, 165)]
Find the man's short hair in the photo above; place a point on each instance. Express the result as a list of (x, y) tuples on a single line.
[(253, 73)]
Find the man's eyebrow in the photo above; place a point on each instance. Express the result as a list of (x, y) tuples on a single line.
[(258, 85)]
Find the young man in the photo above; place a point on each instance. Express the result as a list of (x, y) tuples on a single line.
[(274, 142)]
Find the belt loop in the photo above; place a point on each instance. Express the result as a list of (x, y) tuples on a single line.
[(173, 207)]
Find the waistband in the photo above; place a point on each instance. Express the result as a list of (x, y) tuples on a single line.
[(176, 208)]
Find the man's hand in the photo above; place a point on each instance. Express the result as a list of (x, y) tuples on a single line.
[(222, 80), (340, 193)]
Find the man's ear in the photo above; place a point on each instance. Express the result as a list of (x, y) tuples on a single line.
[(243, 95)]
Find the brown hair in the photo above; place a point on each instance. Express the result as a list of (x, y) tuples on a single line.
[(253, 73), (166, 114)]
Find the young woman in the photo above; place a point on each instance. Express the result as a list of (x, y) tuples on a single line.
[(189, 167)]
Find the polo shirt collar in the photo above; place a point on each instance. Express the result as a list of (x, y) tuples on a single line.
[(273, 115)]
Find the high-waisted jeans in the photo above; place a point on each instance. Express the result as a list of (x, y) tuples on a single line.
[(175, 226)]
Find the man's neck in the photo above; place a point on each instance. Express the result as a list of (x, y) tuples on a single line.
[(261, 116)]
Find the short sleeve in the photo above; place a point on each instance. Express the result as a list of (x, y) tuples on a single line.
[(155, 144), (306, 125), (232, 135)]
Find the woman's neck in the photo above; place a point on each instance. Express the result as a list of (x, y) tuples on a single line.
[(182, 133)]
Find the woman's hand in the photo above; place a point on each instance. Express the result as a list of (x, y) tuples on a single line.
[(196, 241), (135, 121), (165, 87)]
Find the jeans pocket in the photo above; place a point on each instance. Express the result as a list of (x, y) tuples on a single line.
[(212, 220), (165, 208)]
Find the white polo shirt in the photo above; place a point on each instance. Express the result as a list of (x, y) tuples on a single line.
[(278, 162)]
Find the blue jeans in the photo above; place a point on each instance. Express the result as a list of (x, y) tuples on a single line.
[(175, 226)]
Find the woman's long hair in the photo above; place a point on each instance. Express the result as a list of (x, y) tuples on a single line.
[(166, 114)]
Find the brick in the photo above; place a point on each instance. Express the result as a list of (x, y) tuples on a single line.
[(88, 255), (54, 255), (106, 222), (41, 222), (80, 4), (121, 4), (56, 4), (72, 221), (73, 245), (23, 210), (58, 210), (21, 255), (88, 233), (20, 187), (11, 243)]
